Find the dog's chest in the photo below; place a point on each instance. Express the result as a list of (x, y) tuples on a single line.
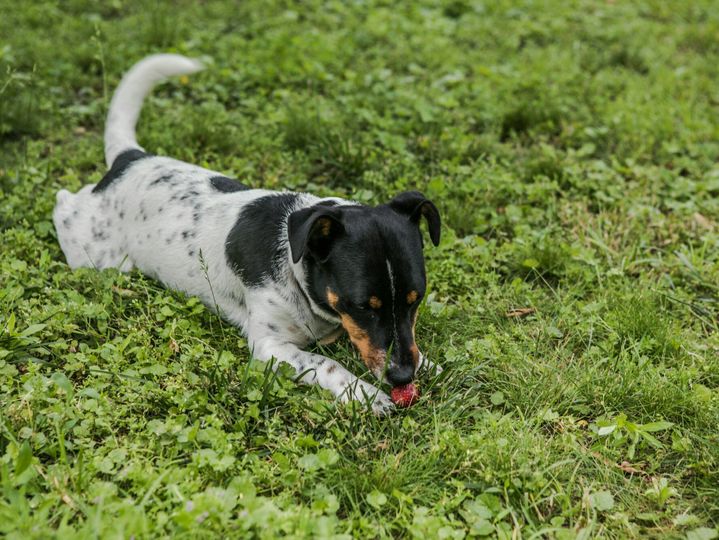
[(285, 311)]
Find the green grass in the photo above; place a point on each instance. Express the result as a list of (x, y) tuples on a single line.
[(572, 149)]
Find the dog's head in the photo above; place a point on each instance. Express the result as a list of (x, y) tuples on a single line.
[(366, 265)]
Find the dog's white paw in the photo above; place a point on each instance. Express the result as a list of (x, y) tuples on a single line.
[(382, 404), (358, 390)]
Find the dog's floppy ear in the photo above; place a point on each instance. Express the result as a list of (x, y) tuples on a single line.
[(415, 205), (313, 230)]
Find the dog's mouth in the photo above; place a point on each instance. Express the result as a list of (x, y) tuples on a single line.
[(378, 360)]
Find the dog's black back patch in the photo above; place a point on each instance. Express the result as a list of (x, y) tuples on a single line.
[(119, 166), (227, 185), (253, 248)]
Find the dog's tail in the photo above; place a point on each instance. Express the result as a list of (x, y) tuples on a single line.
[(127, 101)]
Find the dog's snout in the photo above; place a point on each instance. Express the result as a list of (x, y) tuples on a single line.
[(401, 374)]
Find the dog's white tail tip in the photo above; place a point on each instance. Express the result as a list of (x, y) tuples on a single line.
[(131, 92)]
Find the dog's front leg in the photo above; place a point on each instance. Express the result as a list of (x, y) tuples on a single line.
[(317, 369)]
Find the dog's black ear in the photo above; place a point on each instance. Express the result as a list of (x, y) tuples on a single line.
[(415, 205), (313, 230)]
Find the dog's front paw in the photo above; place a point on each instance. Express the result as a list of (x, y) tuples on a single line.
[(358, 390), (382, 404)]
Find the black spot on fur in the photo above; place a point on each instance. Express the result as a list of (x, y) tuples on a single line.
[(160, 180), (119, 166), (188, 194), (99, 235), (191, 253), (254, 246), (237, 298), (227, 185), (188, 234), (271, 327)]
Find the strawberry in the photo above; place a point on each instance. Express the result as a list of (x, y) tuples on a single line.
[(405, 396)]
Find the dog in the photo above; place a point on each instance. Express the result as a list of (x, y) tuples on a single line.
[(287, 268)]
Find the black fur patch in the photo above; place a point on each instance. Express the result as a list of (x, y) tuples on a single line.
[(119, 166), (253, 246), (227, 185)]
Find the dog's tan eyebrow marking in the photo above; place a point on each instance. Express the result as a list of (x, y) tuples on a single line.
[(374, 302), (413, 348), (412, 297), (332, 298)]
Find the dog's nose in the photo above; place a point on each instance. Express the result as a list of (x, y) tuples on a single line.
[(399, 375)]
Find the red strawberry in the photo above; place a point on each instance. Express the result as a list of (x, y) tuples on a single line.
[(405, 396)]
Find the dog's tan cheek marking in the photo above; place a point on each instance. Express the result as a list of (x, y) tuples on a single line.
[(411, 297), (413, 348), (415, 354), (374, 302), (332, 298), (372, 356)]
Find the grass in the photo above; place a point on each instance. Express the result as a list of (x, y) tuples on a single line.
[(572, 149)]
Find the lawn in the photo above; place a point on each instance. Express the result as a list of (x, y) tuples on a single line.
[(573, 151)]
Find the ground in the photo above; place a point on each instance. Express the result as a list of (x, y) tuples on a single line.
[(572, 149)]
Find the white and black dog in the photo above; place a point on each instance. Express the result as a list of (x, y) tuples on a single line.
[(287, 268)]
